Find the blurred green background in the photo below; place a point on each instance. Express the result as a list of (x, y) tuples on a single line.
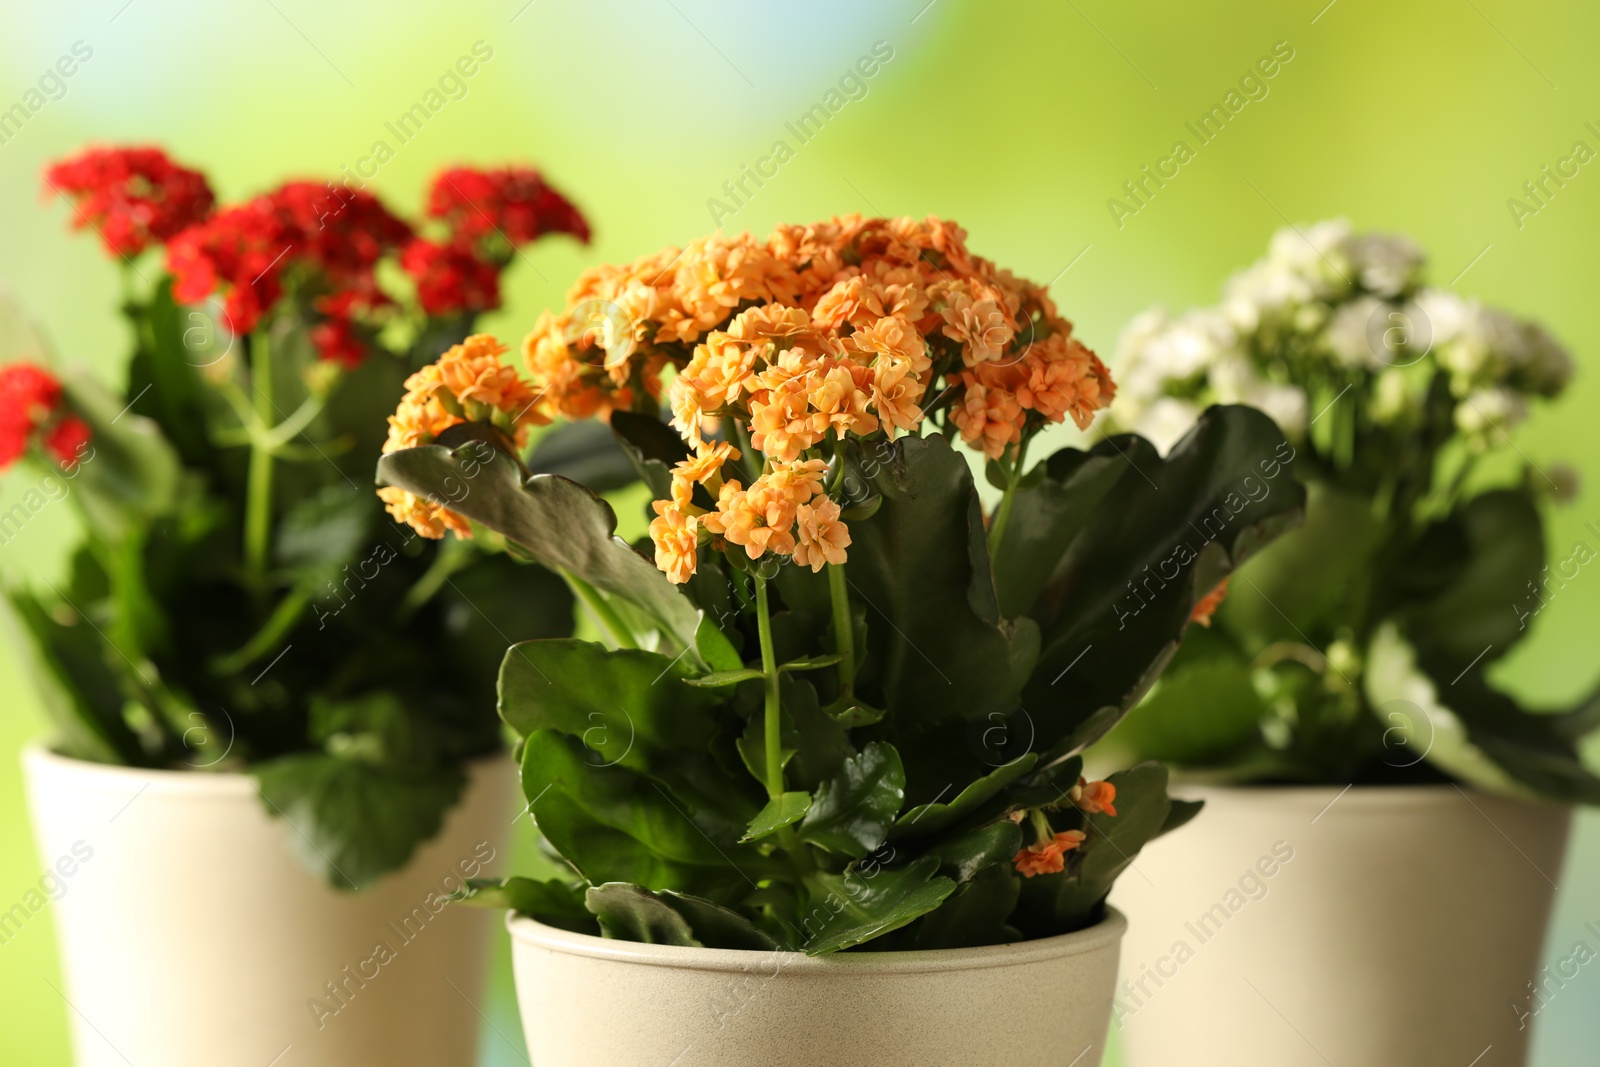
[(1020, 120)]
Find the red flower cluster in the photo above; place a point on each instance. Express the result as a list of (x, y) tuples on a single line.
[(489, 213), (512, 202), (334, 233), (30, 398), (451, 278), (132, 196)]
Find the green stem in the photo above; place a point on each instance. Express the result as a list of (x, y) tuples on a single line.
[(453, 555), (1002, 515), (772, 721), (604, 614), (258, 499), (844, 637), (278, 624)]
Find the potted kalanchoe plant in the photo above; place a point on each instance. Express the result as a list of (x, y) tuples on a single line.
[(824, 767), (1342, 689), (265, 696)]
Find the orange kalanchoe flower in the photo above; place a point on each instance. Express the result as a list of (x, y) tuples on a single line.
[(1093, 798), (468, 383), (851, 327), (1208, 604), (1047, 857)]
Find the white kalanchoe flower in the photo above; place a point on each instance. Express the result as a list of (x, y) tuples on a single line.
[(1490, 411), (1165, 422), (1386, 264), (1548, 368), (1348, 335), (1318, 254)]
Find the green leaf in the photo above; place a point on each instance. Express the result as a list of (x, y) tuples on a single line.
[(557, 522), (1482, 736), (351, 821), (921, 566), (81, 693), (1304, 583), (1498, 539), (586, 452), (1058, 903), (1201, 713), (652, 446), (853, 811), (965, 855), (322, 532), (932, 818), (130, 472), (1163, 535), (975, 914), (808, 663), (869, 901), (782, 810), (552, 902), (616, 825), (723, 679), (634, 913), (626, 706)]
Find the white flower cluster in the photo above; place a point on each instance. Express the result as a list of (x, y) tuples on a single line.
[(1324, 305)]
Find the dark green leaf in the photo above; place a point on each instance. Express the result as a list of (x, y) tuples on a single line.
[(585, 452), (853, 811), (626, 706), (351, 821), (633, 913), (782, 810), (869, 901), (617, 825), (1159, 538), (552, 902), (557, 522), (931, 818)]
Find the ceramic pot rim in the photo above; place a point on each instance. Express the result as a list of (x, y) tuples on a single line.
[(1108, 931), (1366, 797), (41, 761)]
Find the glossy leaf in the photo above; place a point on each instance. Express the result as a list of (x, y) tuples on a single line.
[(625, 706), (852, 812), (782, 810), (863, 903), (1161, 536), (557, 522)]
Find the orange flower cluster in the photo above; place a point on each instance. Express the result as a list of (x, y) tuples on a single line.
[(845, 326), (469, 383), (1048, 857), (850, 326)]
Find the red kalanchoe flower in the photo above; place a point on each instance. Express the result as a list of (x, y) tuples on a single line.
[(239, 251), (66, 440), (341, 231), (29, 397), (133, 197), (512, 202), (331, 235), (335, 336), (451, 279)]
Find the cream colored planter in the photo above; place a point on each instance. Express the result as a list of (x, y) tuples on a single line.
[(191, 937), (591, 1002), (1374, 927)]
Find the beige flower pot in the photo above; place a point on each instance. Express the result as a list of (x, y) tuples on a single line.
[(190, 935), (591, 1002), (1373, 927)]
